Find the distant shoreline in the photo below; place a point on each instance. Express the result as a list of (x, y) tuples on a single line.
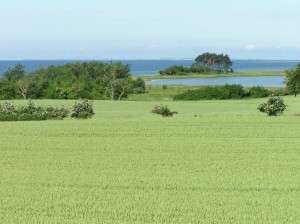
[(210, 75)]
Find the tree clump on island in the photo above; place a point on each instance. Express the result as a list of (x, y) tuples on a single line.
[(204, 63), (89, 80), (218, 62)]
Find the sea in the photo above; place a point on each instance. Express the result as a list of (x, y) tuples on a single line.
[(152, 67)]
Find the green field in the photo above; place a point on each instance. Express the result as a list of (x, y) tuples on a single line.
[(214, 162)]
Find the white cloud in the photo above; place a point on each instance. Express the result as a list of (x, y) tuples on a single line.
[(250, 47)]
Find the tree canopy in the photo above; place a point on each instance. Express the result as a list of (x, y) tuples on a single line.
[(292, 80), (204, 63), (90, 80), (219, 62)]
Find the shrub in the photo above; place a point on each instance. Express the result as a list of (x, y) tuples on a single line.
[(82, 109), (7, 109), (30, 108), (55, 112), (213, 92), (30, 112), (273, 106), (163, 110), (280, 92), (258, 92)]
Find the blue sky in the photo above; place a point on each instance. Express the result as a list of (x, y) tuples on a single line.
[(135, 29)]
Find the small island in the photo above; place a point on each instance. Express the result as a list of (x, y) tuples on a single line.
[(204, 63)]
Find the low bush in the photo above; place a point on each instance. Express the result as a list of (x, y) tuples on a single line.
[(181, 70), (30, 112), (273, 106), (163, 110), (280, 92), (7, 109), (213, 92), (258, 92), (82, 109), (56, 112)]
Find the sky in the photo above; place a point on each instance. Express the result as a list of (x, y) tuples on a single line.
[(149, 29)]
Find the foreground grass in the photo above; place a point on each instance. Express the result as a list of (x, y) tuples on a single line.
[(214, 162), (214, 75)]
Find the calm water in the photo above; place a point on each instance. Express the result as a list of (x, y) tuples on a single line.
[(151, 67), (266, 81)]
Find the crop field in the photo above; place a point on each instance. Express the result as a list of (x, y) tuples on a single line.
[(214, 162)]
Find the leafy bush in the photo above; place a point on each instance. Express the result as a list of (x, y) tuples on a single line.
[(258, 92), (7, 109), (163, 110), (55, 112), (280, 92), (273, 106), (82, 109), (181, 70), (213, 92), (30, 112)]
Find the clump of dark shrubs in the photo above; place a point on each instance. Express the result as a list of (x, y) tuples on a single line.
[(82, 109), (163, 110), (30, 112), (213, 92), (224, 92), (258, 92), (56, 112), (181, 70), (273, 106), (280, 92)]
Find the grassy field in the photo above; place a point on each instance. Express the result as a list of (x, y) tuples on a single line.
[(214, 162), (214, 75)]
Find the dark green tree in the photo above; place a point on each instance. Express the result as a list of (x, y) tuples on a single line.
[(292, 80), (15, 73)]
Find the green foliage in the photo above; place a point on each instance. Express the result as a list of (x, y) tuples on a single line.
[(90, 80), (15, 73), (219, 62), (56, 112), (181, 70), (163, 110), (7, 108), (292, 80), (82, 109), (280, 92), (273, 106), (30, 112), (258, 92), (212, 92)]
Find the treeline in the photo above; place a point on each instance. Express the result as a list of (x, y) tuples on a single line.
[(204, 63), (227, 91), (90, 80)]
